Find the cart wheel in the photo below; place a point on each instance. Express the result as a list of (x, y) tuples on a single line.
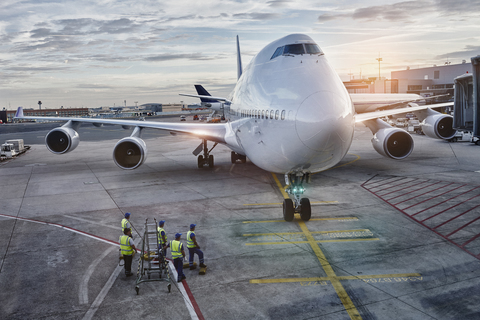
[(149, 276), (137, 289), (169, 287)]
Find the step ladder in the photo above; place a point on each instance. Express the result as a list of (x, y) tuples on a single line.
[(152, 263)]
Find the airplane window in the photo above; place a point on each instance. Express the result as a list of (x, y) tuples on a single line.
[(312, 49), (294, 49), (276, 115), (283, 114), (277, 53), (271, 114), (263, 114)]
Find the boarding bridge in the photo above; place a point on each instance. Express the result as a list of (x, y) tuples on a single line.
[(466, 110)]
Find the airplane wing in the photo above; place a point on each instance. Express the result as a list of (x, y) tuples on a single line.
[(208, 131), (359, 117), (205, 97)]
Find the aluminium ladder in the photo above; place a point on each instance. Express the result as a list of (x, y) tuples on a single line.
[(152, 262)]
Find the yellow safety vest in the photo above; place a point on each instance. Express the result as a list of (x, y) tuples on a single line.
[(125, 246), (124, 223), (160, 235), (176, 248), (190, 243)]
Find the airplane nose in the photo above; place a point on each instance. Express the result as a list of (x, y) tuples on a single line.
[(319, 117)]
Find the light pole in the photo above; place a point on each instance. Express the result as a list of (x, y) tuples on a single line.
[(379, 60)]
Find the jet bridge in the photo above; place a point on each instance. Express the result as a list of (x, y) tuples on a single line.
[(466, 110)]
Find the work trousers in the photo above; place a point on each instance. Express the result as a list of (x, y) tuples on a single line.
[(192, 251), (128, 263), (178, 263)]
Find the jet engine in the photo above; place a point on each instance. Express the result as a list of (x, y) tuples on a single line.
[(393, 143), (62, 140), (438, 126), (129, 153)]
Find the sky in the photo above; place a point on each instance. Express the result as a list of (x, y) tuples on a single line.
[(92, 53)]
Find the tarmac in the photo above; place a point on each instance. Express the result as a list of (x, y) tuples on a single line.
[(387, 240)]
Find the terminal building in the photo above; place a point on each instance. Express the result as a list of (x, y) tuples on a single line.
[(435, 80), (62, 112)]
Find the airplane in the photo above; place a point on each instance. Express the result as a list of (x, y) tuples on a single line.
[(289, 113)]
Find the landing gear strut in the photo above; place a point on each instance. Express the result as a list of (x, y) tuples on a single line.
[(298, 204), (235, 156), (206, 158)]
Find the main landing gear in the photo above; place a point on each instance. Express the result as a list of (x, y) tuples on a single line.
[(235, 156), (206, 158), (298, 204)]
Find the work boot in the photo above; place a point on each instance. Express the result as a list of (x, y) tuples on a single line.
[(193, 267), (203, 265)]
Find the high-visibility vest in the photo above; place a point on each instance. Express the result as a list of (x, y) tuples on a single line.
[(125, 246), (176, 248), (124, 224), (190, 243), (160, 235)]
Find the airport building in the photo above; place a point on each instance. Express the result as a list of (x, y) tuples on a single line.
[(435, 80), (62, 112)]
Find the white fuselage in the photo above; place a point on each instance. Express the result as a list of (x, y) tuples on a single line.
[(291, 113)]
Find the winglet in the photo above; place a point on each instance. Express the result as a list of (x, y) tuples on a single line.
[(19, 113), (239, 60)]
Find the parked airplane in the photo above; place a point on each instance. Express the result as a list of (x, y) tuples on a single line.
[(289, 113)]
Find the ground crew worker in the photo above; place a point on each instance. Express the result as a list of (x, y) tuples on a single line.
[(128, 249), (126, 222), (177, 255), (193, 248), (162, 236)]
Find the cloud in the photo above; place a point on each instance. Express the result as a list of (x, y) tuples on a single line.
[(256, 16), (180, 56), (468, 52)]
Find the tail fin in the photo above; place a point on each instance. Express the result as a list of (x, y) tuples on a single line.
[(239, 60), (19, 113), (202, 92)]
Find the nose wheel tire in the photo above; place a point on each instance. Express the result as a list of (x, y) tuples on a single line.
[(288, 210), (305, 209), (200, 161), (210, 161)]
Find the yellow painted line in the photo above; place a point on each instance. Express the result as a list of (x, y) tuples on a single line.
[(279, 203), (339, 289), (285, 233), (376, 276), (282, 190), (319, 241)]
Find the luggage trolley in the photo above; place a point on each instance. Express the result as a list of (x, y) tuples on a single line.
[(152, 261)]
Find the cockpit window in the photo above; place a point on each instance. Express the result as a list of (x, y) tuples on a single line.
[(294, 49), (312, 48), (277, 53)]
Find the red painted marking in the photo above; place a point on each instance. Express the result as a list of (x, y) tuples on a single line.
[(441, 194), (416, 195), (448, 235), (187, 289), (364, 185), (460, 203), (192, 299), (478, 235), (387, 183)]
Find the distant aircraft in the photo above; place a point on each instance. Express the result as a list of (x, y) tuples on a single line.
[(289, 113)]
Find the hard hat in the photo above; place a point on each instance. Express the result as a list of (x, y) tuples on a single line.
[(177, 235), (192, 225), (161, 222), (127, 214)]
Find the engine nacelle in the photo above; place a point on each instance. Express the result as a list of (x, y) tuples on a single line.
[(62, 140), (438, 126), (393, 143), (129, 153)]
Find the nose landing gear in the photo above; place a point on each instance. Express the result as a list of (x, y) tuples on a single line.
[(298, 204)]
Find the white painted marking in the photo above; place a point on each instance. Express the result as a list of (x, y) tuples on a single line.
[(188, 303), (92, 222), (83, 290), (103, 293)]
